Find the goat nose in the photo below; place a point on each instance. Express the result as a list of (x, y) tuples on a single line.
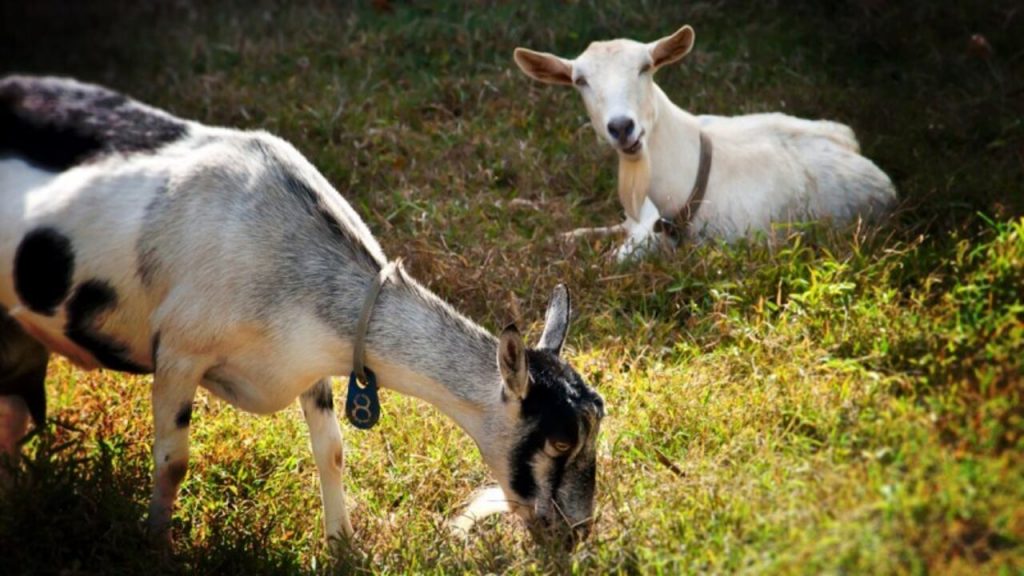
[(621, 128)]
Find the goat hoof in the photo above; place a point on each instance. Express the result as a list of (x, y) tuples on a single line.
[(159, 533), (162, 542)]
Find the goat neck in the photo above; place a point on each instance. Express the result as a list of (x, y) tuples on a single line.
[(420, 346), (670, 159)]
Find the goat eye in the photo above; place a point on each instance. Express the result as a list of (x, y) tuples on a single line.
[(561, 446), (581, 81), (645, 68)]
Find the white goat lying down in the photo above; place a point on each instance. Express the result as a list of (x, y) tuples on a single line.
[(137, 241), (757, 169)]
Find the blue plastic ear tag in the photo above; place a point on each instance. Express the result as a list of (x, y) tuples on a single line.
[(362, 406)]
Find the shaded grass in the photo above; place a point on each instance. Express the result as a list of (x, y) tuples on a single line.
[(846, 401)]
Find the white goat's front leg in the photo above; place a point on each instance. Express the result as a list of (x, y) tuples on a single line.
[(598, 231), (641, 239), (640, 235), (485, 502), (325, 436), (174, 389)]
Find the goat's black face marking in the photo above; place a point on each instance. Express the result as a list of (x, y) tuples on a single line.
[(57, 123), (551, 411), (43, 267), (184, 417), (90, 300)]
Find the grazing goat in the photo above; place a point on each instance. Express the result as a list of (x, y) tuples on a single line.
[(708, 176), (136, 241)]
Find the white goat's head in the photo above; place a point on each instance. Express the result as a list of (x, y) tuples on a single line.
[(616, 80), (551, 468)]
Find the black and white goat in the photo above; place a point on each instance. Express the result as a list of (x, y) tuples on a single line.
[(136, 241)]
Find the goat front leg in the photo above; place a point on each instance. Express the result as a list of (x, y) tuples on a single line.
[(600, 231), (325, 436), (642, 238), (640, 234), (174, 389)]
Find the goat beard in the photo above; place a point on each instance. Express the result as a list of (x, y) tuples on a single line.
[(634, 182)]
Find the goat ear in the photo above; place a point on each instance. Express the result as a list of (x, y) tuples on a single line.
[(672, 48), (543, 66), (512, 362), (556, 320)]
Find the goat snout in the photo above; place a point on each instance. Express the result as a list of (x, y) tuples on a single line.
[(620, 129), (558, 535)]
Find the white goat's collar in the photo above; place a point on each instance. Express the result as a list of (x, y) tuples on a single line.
[(678, 227), (359, 345)]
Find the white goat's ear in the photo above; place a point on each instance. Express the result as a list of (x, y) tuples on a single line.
[(556, 320), (512, 362), (672, 48), (543, 66)]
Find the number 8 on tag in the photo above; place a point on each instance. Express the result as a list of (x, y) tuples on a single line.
[(362, 406)]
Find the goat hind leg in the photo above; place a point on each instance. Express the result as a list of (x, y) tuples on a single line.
[(13, 425), (325, 437), (27, 398), (22, 389)]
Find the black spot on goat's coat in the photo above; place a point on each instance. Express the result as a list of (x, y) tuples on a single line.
[(319, 206), (324, 398), (301, 189), (184, 417), (57, 123), (550, 409), (90, 300), (321, 395), (43, 267)]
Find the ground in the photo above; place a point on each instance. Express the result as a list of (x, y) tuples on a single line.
[(846, 402)]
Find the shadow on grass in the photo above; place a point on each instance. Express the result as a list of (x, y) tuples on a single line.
[(77, 508), (71, 509)]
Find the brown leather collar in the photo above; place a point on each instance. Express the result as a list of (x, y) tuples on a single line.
[(678, 227), (359, 341)]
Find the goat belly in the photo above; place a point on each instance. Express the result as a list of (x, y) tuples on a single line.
[(58, 343)]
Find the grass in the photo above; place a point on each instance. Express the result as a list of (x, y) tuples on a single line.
[(849, 401)]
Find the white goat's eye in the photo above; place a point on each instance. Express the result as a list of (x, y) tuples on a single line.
[(645, 68), (581, 81)]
